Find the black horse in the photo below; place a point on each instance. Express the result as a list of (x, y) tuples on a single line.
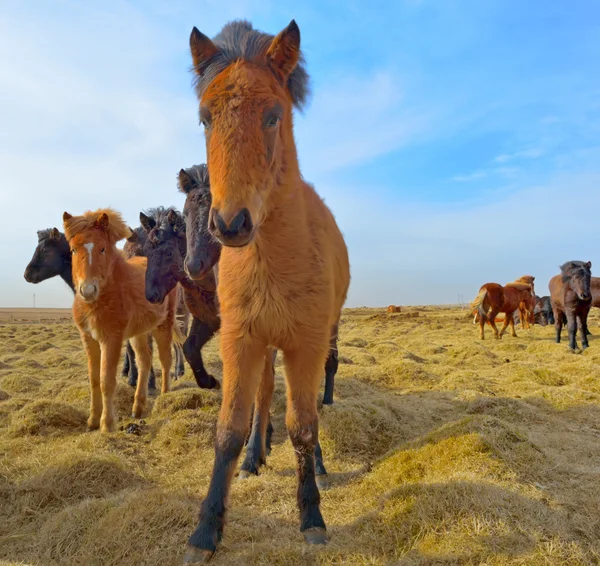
[(164, 247), (543, 311), (571, 297)]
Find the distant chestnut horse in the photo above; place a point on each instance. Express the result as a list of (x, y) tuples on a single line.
[(571, 297), (284, 270), (495, 298), (110, 307), (394, 308)]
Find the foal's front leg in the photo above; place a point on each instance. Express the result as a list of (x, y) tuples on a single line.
[(92, 349), (303, 375), (243, 360), (256, 452), (111, 354)]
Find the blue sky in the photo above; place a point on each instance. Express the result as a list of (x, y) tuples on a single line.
[(456, 142)]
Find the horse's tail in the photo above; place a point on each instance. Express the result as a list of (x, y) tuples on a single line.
[(178, 335), (478, 302)]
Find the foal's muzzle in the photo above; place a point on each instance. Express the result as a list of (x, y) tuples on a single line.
[(31, 276), (89, 291), (585, 296), (237, 233), (195, 267)]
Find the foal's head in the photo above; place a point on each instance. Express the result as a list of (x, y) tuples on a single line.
[(134, 246), (92, 239), (247, 83), (165, 249), (51, 256), (578, 274), (203, 251)]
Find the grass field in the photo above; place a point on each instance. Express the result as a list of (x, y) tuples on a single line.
[(442, 449)]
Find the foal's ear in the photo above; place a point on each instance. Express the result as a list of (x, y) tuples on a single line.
[(133, 237), (203, 50), (186, 182), (589, 265), (54, 234), (171, 217), (284, 51), (67, 216), (147, 222), (102, 222)]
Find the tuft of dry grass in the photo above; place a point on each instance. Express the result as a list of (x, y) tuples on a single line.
[(44, 417), (441, 449)]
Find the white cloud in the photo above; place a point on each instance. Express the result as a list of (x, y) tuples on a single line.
[(353, 119), (427, 253), (531, 153)]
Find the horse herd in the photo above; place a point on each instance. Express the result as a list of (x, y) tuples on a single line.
[(572, 293), (256, 255)]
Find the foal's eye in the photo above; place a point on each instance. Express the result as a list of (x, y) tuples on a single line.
[(102, 250), (73, 251), (273, 121)]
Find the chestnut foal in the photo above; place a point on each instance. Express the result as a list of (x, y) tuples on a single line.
[(284, 271), (110, 307)]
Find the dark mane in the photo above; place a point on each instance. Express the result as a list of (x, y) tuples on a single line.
[(198, 174), (238, 40), (574, 268), (159, 215), (45, 234)]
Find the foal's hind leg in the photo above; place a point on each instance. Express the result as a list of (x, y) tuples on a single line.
[(164, 339), (243, 360), (303, 371), (492, 314), (558, 322), (141, 344), (152, 379), (256, 452), (127, 360), (331, 367)]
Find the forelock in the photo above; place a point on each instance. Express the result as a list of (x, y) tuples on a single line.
[(239, 41)]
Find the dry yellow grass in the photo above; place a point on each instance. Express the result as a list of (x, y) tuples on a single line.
[(442, 449)]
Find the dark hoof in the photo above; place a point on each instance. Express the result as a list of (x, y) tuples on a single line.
[(132, 383), (315, 535), (195, 555), (322, 481)]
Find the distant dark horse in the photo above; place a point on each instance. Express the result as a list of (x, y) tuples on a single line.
[(543, 311), (165, 246), (571, 296)]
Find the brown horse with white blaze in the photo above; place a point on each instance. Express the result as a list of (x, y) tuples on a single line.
[(110, 307), (284, 270)]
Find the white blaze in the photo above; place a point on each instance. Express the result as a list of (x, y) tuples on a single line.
[(89, 248)]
